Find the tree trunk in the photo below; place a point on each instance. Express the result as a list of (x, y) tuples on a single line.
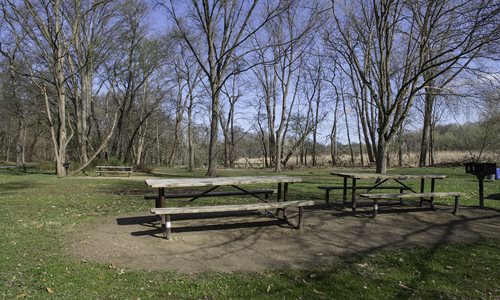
[(400, 145), (347, 130), (190, 135), (179, 111), (360, 142), (85, 98), (158, 145), (214, 132), (381, 161), (232, 144), (432, 158), (425, 140), (20, 138)]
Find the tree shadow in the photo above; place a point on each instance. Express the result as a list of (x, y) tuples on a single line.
[(11, 187), (23, 171), (341, 235)]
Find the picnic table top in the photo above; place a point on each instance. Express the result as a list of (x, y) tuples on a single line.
[(198, 182), (387, 176)]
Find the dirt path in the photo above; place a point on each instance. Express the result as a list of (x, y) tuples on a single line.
[(255, 242)]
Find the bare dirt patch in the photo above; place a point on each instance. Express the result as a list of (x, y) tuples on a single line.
[(255, 242)]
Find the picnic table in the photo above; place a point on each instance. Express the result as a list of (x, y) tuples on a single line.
[(210, 184), (114, 170), (381, 179)]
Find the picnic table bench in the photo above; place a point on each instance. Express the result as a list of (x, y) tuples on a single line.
[(422, 196), (166, 212), (328, 188), (114, 170)]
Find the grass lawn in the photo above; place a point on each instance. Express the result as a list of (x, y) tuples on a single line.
[(37, 210)]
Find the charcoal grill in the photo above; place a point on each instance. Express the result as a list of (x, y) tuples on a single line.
[(481, 170)]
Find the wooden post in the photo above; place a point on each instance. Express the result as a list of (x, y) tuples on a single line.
[(327, 197), (401, 199), (375, 207)]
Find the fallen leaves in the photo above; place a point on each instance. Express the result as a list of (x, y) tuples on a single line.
[(50, 290)]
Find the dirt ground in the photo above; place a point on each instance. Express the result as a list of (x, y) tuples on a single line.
[(256, 242)]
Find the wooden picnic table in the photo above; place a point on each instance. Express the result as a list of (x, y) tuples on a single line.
[(114, 170), (380, 179), (214, 183)]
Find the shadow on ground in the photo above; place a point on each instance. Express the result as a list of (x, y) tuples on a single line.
[(256, 242)]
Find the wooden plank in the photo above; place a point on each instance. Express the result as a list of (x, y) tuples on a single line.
[(211, 194), (198, 182), (227, 208), (387, 176), (411, 195), (399, 187)]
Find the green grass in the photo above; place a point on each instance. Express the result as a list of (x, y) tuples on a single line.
[(37, 210)]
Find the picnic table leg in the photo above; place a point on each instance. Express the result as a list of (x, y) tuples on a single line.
[(481, 191), (285, 214), (401, 199), (285, 192), (278, 196), (327, 197), (422, 186), (301, 217), (375, 207), (455, 209), (285, 198), (166, 226), (344, 193), (160, 201), (353, 196), (433, 186)]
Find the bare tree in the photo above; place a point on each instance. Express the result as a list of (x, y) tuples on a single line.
[(290, 34), (93, 40), (16, 107), (133, 67), (42, 27), (397, 53), (224, 27), (227, 122)]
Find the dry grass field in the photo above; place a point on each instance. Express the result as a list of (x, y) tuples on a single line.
[(410, 159)]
